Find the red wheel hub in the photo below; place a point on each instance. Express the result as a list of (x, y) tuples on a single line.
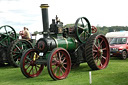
[(32, 63)]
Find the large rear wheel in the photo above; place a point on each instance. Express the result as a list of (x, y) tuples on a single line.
[(3, 56), (97, 52), (16, 50)]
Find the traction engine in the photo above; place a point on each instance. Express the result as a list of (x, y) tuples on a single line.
[(64, 48)]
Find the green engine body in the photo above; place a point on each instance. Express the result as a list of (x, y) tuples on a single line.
[(67, 43)]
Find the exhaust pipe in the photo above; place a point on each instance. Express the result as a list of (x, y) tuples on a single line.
[(44, 8)]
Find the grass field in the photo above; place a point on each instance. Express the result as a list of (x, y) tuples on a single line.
[(115, 74)]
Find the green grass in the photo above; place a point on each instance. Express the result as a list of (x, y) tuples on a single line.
[(115, 74)]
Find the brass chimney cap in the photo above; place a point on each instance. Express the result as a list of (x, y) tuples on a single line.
[(44, 6)]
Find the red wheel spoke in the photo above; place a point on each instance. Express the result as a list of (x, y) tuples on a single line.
[(54, 59), (101, 42), (30, 56), (95, 57), (104, 49), (54, 68), (28, 66), (95, 51), (62, 55), (59, 56), (95, 46), (64, 67), (53, 63), (104, 57), (98, 43), (101, 63), (65, 63), (56, 56), (61, 71), (64, 59), (97, 60), (55, 71)]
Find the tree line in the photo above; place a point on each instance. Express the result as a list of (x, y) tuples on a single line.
[(105, 29)]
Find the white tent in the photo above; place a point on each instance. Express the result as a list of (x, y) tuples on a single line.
[(111, 35)]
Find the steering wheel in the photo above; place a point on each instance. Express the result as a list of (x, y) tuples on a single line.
[(82, 29)]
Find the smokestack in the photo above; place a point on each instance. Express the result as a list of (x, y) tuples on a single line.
[(44, 8)]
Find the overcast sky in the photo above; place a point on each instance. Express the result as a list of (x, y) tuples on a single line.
[(20, 13)]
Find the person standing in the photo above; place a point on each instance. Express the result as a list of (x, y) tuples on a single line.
[(25, 34)]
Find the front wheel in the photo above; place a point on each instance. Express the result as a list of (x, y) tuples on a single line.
[(27, 64), (59, 64), (124, 55)]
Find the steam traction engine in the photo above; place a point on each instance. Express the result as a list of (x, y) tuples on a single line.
[(11, 48), (63, 48)]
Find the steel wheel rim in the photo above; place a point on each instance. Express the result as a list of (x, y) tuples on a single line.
[(29, 66), (60, 65), (101, 52)]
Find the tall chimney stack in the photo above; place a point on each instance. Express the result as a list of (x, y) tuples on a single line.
[(44, 8)]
